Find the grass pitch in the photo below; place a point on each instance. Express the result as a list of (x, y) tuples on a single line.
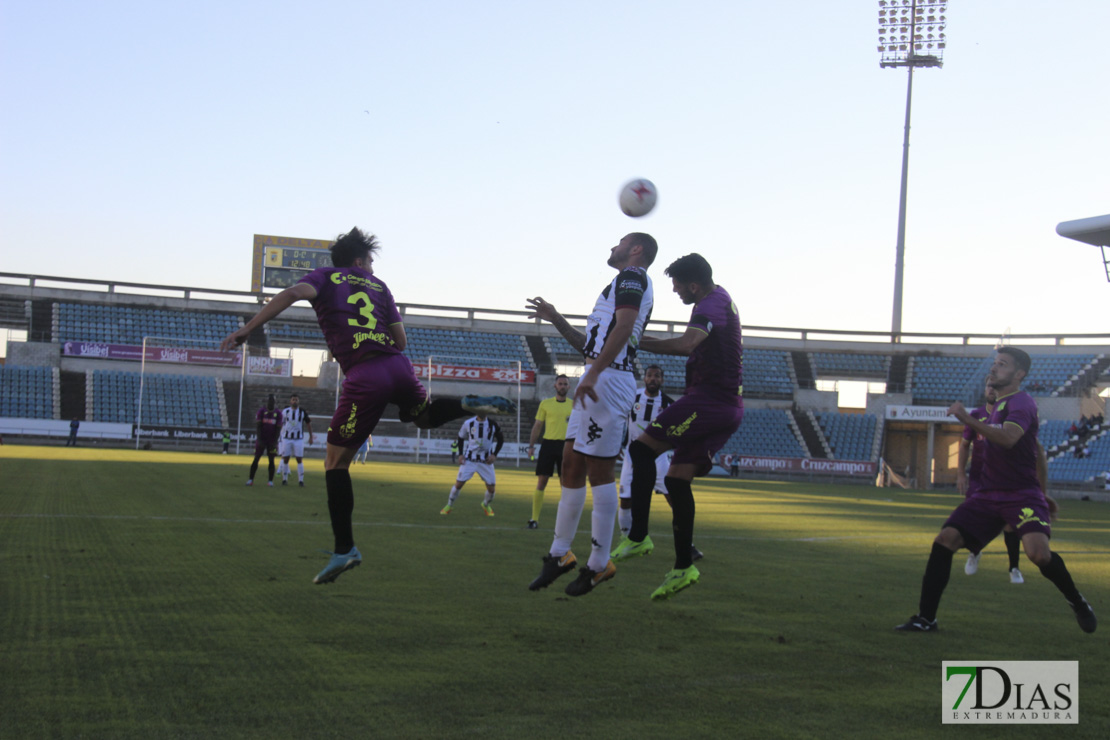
[(153, 595)]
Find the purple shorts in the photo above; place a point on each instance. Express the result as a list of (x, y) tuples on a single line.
[(981, 517), (367, 390), (265, 447), (697, 427)]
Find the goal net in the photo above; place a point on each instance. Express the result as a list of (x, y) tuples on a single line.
[(508, 374)]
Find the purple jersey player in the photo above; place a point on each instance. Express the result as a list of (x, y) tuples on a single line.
[(1010, 493), (267, 426), (363, 329), (696, 426), (968, 483)]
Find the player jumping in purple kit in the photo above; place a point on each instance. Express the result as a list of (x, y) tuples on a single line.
[(266, 437), (1010, 492), (695, 426), (973, 448), (363, 330)]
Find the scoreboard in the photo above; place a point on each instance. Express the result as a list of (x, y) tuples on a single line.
[(281, 261)]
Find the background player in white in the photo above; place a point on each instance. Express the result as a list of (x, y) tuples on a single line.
[(650, 402), (602, 402), (480, 439), (294, 424)]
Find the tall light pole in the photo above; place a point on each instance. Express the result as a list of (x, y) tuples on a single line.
[(911, 34)]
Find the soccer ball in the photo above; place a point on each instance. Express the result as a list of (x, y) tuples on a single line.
[(637, 198)]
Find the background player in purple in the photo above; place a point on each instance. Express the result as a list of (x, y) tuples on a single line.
[(363, 330), (695, 426), (267, 422), (1010, 493), (967, 482)]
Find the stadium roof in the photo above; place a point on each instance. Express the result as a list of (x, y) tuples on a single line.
[(1094, 230)]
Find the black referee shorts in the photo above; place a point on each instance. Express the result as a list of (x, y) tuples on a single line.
[(550, 459)]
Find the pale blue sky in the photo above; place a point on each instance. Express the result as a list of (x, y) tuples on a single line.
[(149, 141)]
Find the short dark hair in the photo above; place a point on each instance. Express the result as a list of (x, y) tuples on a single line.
[(654, 367), (647, 243), (353, 245), (693, 268), (294, 395), (1021, 357), (561, 375)]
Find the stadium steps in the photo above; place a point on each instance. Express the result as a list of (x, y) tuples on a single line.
[(897, 380), (90, 396), (544, 362), (72, 400), (41, 326), (222, 401), (803, 370), (811, 434), (56, 387), (1086, 379)]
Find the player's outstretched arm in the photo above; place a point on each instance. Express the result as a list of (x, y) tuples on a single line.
[(273, 309), (683, 345), (541, 309)]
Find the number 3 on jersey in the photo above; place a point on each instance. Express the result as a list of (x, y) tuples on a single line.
[(366, 309)]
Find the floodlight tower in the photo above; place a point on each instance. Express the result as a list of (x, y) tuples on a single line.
[(911, 34)]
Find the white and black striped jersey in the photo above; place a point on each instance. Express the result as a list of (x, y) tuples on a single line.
[(645, 410), (480, 437), (292, 422), (631, 288)]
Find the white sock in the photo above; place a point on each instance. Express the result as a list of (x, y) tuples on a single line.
[(571, 503), (452, 496), (488, 499), (300, 472), (606, 502), (624, 519), (284, 470)]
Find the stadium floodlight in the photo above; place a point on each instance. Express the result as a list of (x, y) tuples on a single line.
[(1094, 231), (912, 33)]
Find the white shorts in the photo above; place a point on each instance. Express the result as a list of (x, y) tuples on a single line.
[(598, 427), (662, 464), (292, 447), (484, 471)]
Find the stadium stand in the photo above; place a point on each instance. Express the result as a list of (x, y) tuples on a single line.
[(561, 352), (28, 392), (76, 322), (482, 349), (947, 379), (765, 432), (288, 332), (942, 380), (1068, 468), (845, 365), (767, 373), (168, 400), (1051, 374), (1053, 432), (850, 436)]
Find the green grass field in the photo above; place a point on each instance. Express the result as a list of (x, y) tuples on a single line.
[(153, 595)]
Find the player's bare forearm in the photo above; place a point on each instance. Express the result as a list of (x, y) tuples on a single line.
[(577, 339), (537, 432), (681, 346), (1006, 436), (273, 309), (541, 309)]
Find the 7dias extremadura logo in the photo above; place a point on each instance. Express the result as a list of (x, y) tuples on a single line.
[(1010, 692)]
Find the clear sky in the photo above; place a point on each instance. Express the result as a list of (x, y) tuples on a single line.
[(484, 142)]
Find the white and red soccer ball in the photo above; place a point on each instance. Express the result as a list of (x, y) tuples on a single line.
[(637, 197)]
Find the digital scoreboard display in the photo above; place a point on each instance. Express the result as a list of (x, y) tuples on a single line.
[(281, 261)]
